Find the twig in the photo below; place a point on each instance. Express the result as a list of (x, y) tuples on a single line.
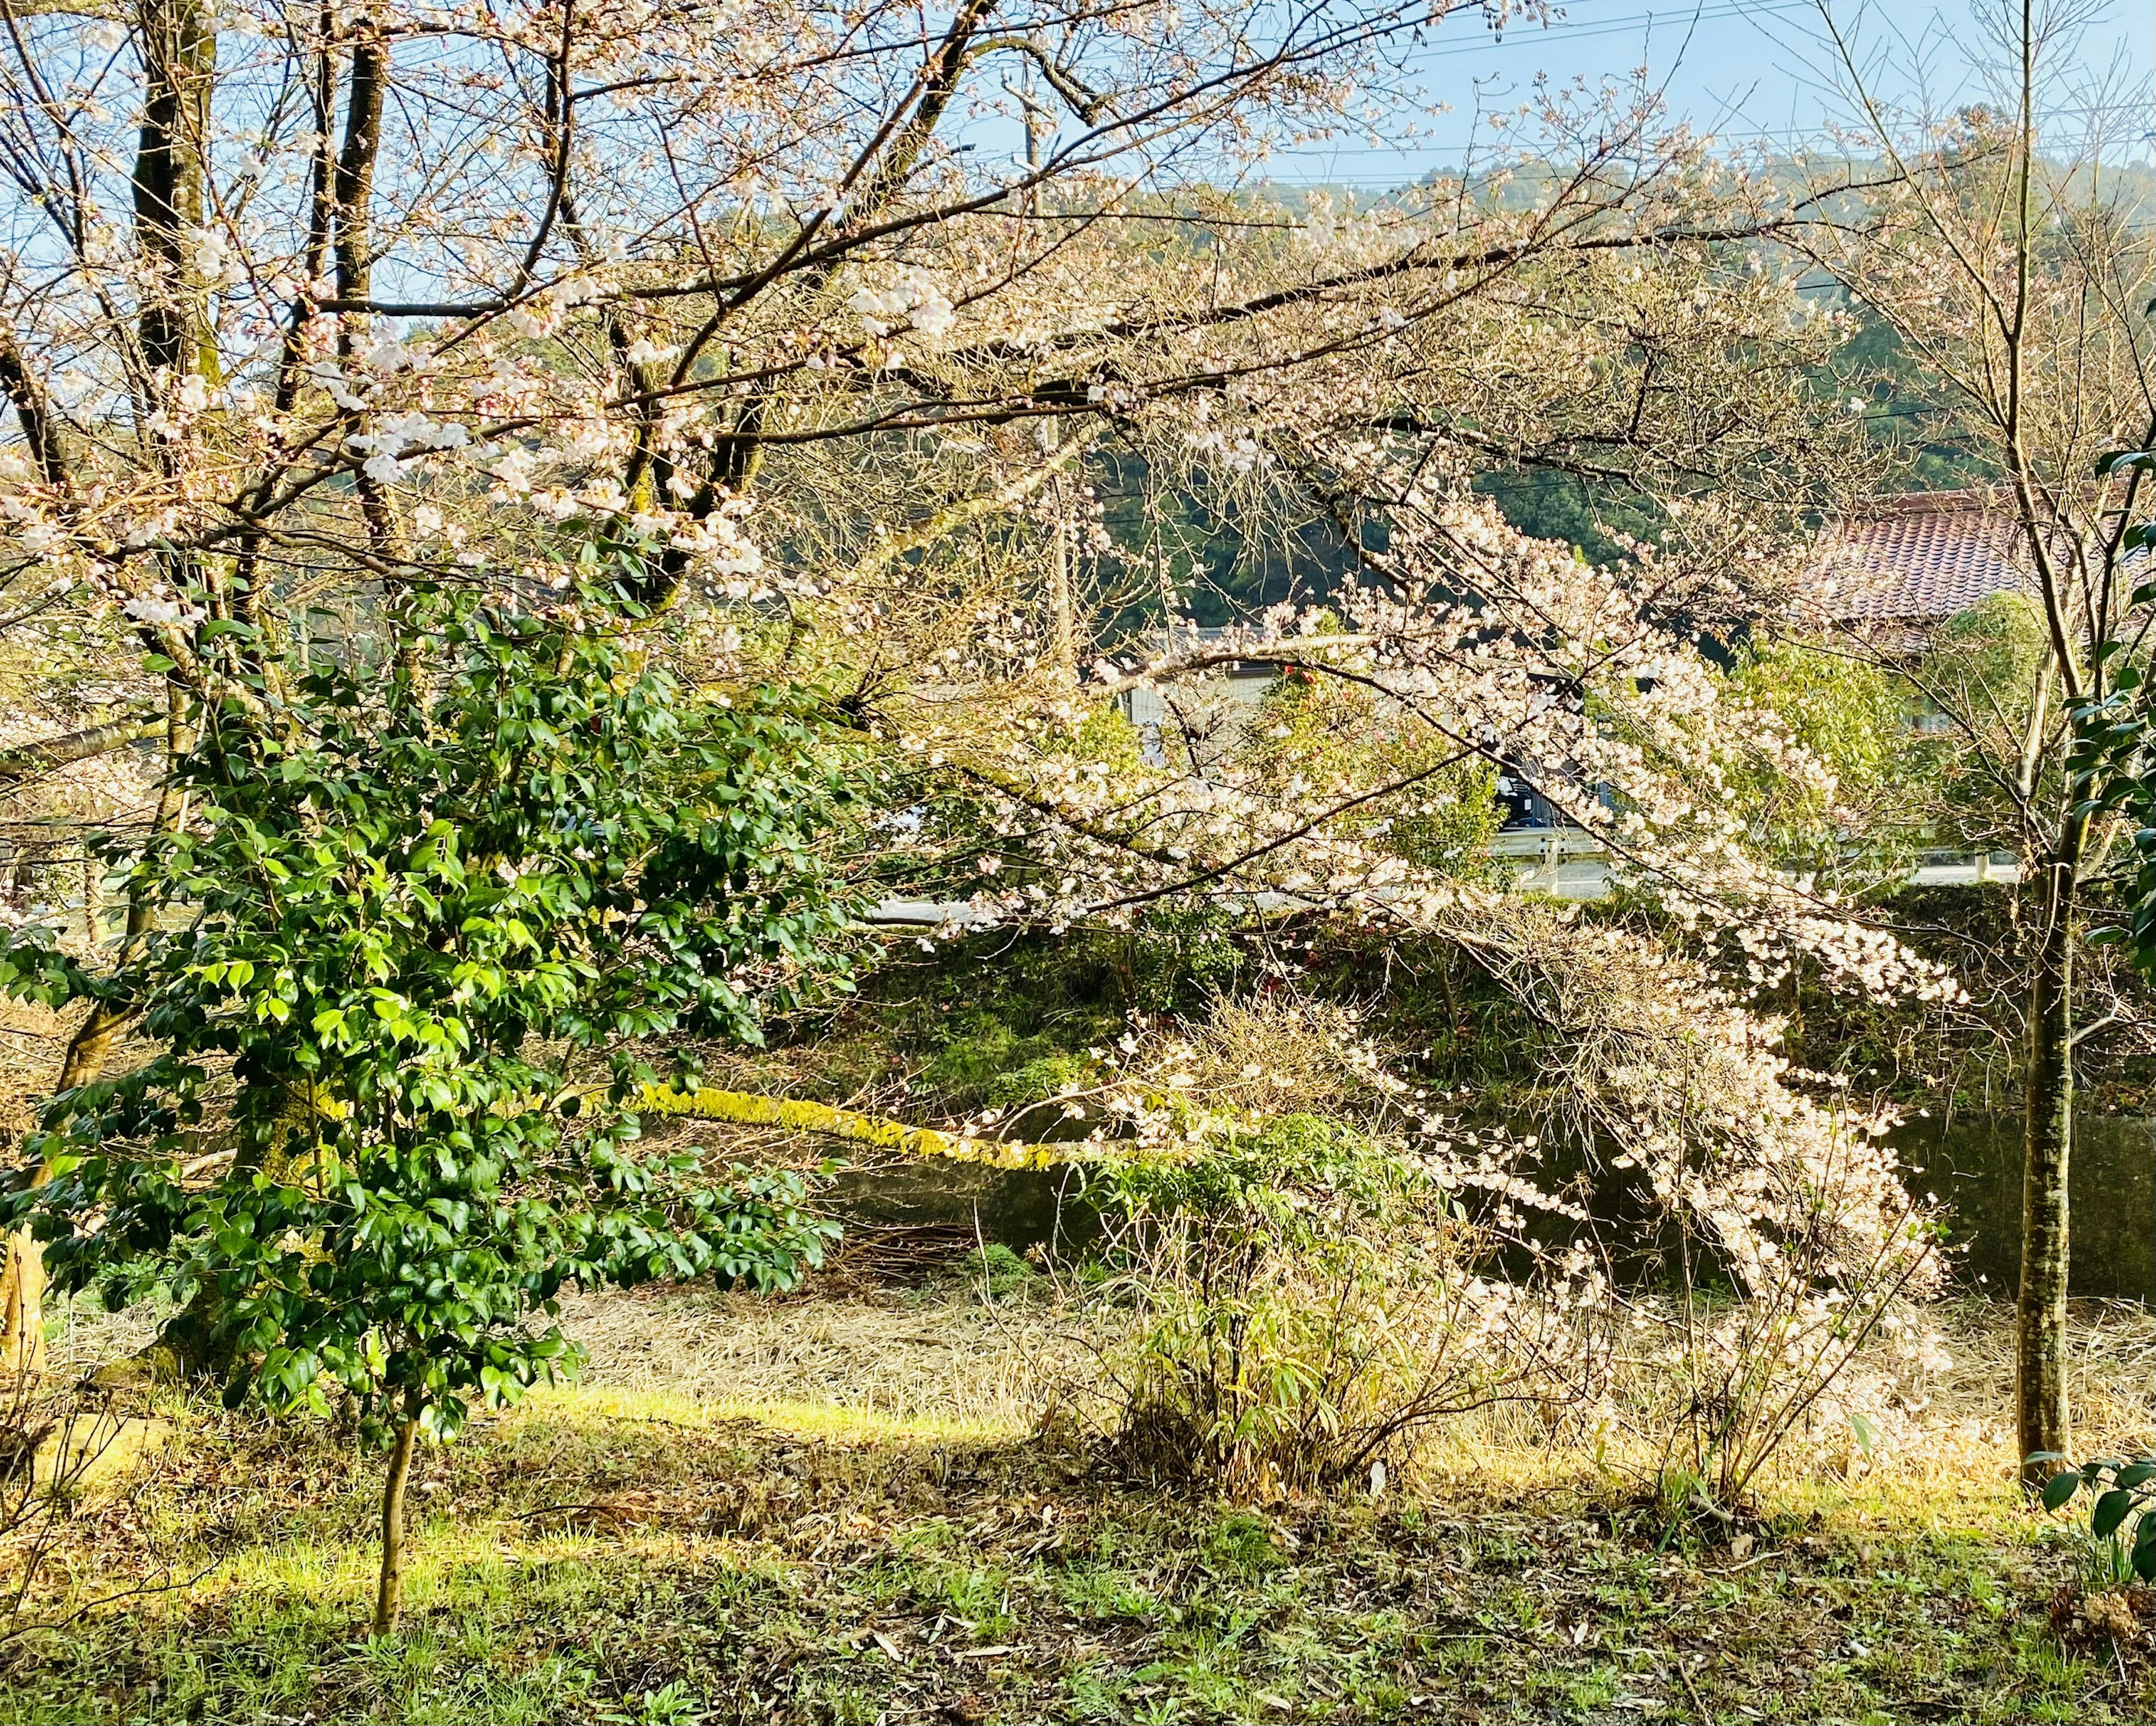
[(530, 1515), (1707, 1719)]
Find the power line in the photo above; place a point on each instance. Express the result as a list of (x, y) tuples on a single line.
[(1622, 26), (1790, 135)]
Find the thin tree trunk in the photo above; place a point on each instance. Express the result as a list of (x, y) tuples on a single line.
[(351, 194), (29, 759), (176, 336), (1062, 606), (22, 1305), (389, 1596), (1063, 631), (93, 903), (749, 1108), (2039, 1319), (2040, 1409)]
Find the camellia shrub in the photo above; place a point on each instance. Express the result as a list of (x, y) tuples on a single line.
[(398, 962), (2121, 1494)]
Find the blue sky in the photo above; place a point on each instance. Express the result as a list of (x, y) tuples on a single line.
[(1751, 69)]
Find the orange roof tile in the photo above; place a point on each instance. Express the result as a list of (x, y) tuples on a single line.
[(1923, 556)]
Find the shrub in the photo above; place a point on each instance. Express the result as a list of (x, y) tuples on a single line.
[(1305, 1299), (2122, 1495), (997, 1271), (389, 948), (1039, 1081), (1763, 1223), (1321, 1264), (61, 1445)]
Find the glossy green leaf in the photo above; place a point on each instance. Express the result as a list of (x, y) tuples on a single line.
[(2061, 1486), (400, 930)]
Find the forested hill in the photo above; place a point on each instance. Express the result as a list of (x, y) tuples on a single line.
[(1222, 560)]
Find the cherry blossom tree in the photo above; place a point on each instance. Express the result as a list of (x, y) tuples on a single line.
[(307, 319), (2012, 272)]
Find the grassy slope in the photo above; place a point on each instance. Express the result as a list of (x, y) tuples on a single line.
[(609, 1554)]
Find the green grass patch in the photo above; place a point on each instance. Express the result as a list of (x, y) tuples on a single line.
[(605, 1558)]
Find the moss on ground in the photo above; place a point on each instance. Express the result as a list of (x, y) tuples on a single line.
[(593, 1559)]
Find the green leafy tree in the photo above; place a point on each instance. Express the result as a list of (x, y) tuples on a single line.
[(1982, 675), (1337, 739), (1855, 807), (398, 965), (1600, 522), (1907, 412)]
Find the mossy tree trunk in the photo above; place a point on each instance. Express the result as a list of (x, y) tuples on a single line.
[(192, 1344), (389, 1591), (745, 1108), (2040, 1407)]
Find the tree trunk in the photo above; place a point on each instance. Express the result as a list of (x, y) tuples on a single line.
[(22, 1278), (389, 1596), (192, 1344), (179, 52), (27, 759), (1062, 603), (21, 1304), (2040, 1409), (93, 905), (747, 1108)]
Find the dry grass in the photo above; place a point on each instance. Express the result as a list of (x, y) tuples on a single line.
[(81, 1336), (32, 1042), (2112, 1369), (944, 1354), (1954, 1439), (602, 1551), (941, 1354)]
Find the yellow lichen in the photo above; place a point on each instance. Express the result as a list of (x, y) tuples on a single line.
[(745, 1108)]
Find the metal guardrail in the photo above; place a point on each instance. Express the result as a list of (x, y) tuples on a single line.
[(1550, 845), (1570, 864), (1565, 864)]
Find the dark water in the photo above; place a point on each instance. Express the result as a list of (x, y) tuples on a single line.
[(1973, 1164)]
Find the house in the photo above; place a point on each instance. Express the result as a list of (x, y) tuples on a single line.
[(1210, 710), (1899, 566)]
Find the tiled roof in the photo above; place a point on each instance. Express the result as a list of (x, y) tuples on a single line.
[(1921, 557)]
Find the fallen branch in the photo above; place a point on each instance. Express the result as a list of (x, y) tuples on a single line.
[(744, 1108)]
